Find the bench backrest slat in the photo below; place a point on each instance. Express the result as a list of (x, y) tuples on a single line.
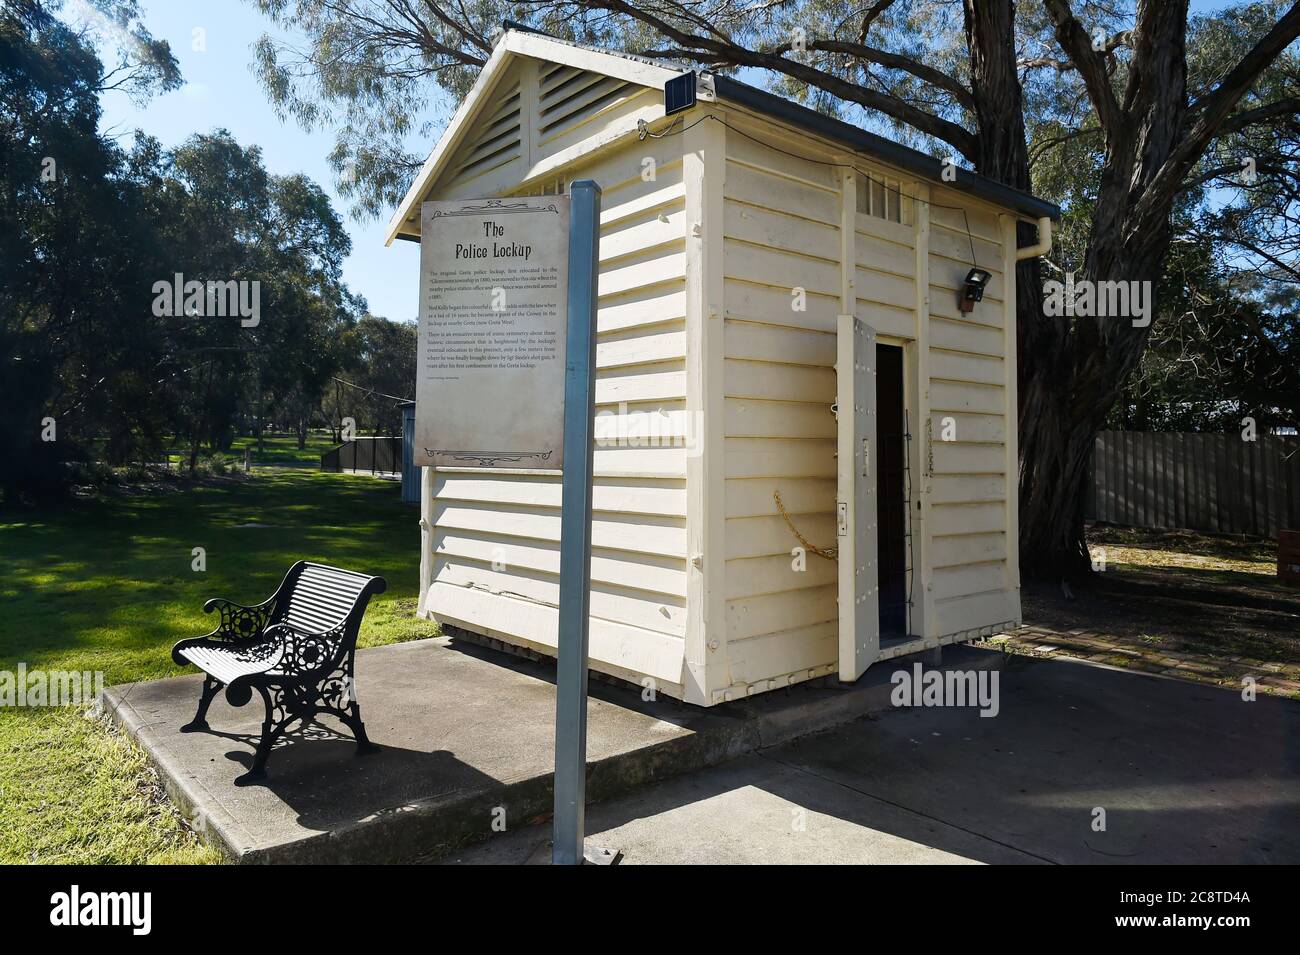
[(322, 597)]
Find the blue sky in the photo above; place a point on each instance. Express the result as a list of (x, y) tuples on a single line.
[(221, 91)]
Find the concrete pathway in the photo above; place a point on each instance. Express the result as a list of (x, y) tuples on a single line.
[(1185, 773), (467, 737)]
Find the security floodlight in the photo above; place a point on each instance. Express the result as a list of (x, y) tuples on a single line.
[(973, 289)]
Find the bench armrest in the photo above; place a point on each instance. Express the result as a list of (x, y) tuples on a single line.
[(306, 651), (238, 625)]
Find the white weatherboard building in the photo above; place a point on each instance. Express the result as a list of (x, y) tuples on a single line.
[(778, 317)]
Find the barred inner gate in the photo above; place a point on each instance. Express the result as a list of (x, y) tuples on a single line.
[(892, 479)]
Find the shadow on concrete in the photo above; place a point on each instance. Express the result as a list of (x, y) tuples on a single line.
[(467, 740), (317, 773), (1184, 773), (606, 689)]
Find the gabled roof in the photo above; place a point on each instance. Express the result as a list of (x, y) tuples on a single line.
[(512, 43), (517, 40)]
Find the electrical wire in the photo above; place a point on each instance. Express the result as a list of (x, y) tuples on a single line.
[(368, 391)]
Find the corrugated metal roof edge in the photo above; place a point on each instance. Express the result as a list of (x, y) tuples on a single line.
[(904, 157)]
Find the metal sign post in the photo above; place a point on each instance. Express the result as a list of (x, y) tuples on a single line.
[(575, 527)]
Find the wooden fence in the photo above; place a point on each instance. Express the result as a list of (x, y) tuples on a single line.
[(1206, 482)]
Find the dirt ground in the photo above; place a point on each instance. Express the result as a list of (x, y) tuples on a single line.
[(1175, 601)]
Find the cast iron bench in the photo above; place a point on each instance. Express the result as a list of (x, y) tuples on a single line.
[(295, 648)]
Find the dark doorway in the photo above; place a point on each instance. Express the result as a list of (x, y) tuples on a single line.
[(891, 491)]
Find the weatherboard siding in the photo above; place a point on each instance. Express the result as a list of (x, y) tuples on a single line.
[(781, 232), (969, 579), (495, 535), (706, 232)]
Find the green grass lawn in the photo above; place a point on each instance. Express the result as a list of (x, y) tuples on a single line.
[(284, 450), (107, 585)]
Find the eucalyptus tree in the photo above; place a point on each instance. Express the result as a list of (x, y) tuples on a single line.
[(74, 246), (94, 358), (279, 238)]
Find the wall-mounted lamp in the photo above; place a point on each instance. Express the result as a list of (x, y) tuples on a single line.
[(973, 290)]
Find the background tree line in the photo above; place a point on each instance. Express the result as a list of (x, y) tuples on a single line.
[(88, 228)]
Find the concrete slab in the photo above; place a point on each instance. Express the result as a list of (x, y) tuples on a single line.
[(1186, 773), (753, 811), (465, 732)]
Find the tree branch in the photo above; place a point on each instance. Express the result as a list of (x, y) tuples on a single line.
[(1113, 43), (1040, 149), (1249, 246), (1224, 172), (1289, 106), (894, 61), (875, 10), (1212, 108), (716, 50), (1209, 114), (1091, 64)]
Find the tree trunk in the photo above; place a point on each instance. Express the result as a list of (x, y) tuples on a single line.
[(1071, 370), (1051, 523), (261, 413), (1054, 452), (1074, 369)]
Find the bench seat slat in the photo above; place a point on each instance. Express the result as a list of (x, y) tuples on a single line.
[(319, 599), (308, 595), (329, 574), (224, 664), (310, 623), (323, 597), (311, 598)]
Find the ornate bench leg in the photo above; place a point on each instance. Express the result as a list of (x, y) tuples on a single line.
[(200, 722), (351, 713), (352, 716), (270, 733), (258, 770)]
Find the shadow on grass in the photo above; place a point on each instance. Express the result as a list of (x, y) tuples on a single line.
[(109, 584), (1219, 612)]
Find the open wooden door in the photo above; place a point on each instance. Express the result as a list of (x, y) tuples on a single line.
[(859, 596)]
